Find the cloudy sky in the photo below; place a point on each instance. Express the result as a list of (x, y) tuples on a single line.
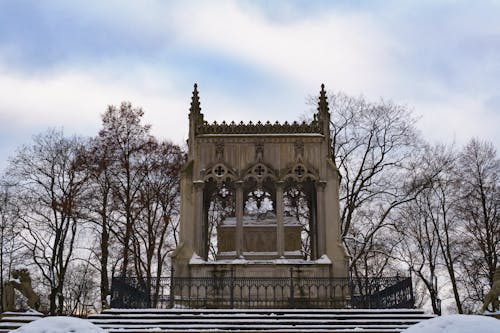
[(63, 62)]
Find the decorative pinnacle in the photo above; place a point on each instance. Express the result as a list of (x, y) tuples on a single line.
[(323, 100), (195, 101)]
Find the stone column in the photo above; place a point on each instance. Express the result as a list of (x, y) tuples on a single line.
[(199, 241), (321, 218), (280, 227), (239, 219), (313, 222)]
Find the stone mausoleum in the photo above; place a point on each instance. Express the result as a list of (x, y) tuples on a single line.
[(259, 199)]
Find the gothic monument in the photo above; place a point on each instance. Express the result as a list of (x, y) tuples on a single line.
[(259, 199)]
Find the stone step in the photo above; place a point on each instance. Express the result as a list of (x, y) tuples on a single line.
[(311, 321), (12, 320), (257, 320), (268, 321), (264, 311), (240, 320), (256, 330)]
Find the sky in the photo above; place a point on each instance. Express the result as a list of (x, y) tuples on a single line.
[(63, 62)]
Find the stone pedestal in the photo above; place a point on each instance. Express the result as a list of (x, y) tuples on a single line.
[(261, 268)]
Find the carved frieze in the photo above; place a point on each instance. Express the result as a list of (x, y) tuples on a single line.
[(259, 128)]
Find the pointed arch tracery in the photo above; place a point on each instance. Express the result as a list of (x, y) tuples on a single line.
[(219, 172), (258, 186), (259, 172), (259, 194), (219, 205), (300, 172), (299, 201)]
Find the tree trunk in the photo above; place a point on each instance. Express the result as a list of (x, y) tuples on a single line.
[(104, 265)]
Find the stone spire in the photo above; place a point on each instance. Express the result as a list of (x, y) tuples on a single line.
[(324, 118), (195, 108), (195, 118), (195, 115), (323, 102)]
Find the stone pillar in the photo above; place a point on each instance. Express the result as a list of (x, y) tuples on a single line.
[(313, 222), (321, 218), (280, 228), (239, 219), (199, 241)]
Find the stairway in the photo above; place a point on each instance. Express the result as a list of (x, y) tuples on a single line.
[(11, 320), (257, 320)]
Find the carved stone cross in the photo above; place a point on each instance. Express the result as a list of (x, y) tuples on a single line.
[(219, 171), (300, 171)]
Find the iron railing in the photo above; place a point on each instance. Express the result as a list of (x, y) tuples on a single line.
[(230, 291)]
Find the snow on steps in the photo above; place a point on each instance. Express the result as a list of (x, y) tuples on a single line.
[(257, 320), (11, 320)]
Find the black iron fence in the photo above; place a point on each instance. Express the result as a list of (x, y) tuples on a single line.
[(230, 291)]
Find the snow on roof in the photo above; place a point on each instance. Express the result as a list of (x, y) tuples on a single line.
[(457, 324), (59, 325)]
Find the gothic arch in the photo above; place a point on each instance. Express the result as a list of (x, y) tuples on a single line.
[(259, 172), (300, 172), (219, 172)]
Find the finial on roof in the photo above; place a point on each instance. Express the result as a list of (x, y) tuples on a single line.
[(323, 100), (195, 101)]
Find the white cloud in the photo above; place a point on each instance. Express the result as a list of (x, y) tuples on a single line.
[(342, 49), (75, 99), (457, 119), (354, 51)]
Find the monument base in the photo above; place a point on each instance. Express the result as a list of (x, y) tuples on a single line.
[(261, 267), (260, 283)]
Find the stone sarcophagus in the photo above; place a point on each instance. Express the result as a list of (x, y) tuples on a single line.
[(259, 238), (259, 199)]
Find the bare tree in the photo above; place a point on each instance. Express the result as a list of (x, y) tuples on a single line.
[(81, 290), (101, 207), (127, 138), (419, 247), (372, 145), (427, 226), (479, 172), (441, 199), (159, 197), (136, 194), (9, 240), (49, 184)]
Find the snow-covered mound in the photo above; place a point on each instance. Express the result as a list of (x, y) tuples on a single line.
[(59, 325), (456, 324)]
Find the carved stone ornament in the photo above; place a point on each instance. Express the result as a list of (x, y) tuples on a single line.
[(21, 281), (299, 149), (219, 150), (219, 171), (491, 298), (259, 128), (259, 151)]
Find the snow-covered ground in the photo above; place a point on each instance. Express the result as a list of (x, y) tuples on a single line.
[(457, 324), (59, 325)]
